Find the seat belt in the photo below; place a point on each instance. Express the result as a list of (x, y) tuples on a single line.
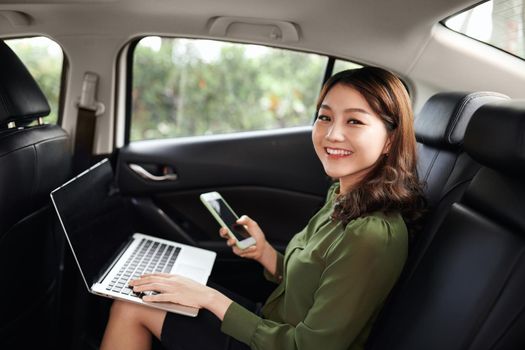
[(88, 111)]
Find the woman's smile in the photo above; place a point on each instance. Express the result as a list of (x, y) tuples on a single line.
[(337, 153)]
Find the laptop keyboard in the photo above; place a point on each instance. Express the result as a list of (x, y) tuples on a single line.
[(148, 257)]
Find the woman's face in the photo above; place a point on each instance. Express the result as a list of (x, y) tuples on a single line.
[(348, 136)]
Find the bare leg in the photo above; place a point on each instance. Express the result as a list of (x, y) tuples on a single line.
[(130, 326)]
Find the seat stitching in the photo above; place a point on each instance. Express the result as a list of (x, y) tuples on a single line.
[(429, 170)]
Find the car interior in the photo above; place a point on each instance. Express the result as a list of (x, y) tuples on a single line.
[(117, 96)]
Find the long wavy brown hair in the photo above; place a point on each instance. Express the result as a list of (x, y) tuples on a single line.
[(392, 184)]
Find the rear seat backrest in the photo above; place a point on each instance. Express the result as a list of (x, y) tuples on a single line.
[(440, 129), (467, 290), (442, 165)]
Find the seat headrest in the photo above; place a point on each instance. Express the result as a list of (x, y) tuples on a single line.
[(21, 99), (445, 116), (495, 136)]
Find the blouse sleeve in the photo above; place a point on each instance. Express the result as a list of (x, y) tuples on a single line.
[(357, 278), (278, 276)]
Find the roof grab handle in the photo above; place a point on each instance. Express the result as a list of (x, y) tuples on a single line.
[(17, 18), (254, 28)]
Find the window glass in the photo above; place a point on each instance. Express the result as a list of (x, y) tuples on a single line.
[(340, 65), (187, 87), (499, 23), (44, 59)]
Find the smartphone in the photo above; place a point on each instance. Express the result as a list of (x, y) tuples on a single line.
[(224, 214)]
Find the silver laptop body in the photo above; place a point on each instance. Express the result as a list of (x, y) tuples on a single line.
[(96, 221)]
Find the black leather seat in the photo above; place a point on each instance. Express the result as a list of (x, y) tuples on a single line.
[(33, 160), (466, 291), (443, 166), (440, 129)]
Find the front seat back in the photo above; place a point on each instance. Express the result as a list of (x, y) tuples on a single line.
[(34, 159)]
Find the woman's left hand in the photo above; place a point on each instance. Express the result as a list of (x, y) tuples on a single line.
[(174, 289)]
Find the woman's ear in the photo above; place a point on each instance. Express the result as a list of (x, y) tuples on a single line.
[(388, 144)]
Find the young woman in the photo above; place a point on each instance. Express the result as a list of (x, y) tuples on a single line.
[(336, 272)]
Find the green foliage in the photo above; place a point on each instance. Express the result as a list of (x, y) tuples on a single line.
[(44, 62), (181, 89)]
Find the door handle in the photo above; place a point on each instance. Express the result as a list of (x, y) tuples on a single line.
[(139, 170)]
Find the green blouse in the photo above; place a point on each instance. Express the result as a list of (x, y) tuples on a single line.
[(332, 282)]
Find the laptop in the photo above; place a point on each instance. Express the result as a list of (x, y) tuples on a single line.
[(96, 220)]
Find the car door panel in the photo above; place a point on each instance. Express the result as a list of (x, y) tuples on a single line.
[(280, 213), (274, 177), (280, 159)]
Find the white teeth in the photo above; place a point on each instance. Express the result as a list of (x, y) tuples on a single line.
[(338, 152)]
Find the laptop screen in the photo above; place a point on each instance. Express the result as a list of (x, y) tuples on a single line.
[(94, 217)]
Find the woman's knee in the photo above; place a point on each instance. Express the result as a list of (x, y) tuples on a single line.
[(127, 311), (138, 315)]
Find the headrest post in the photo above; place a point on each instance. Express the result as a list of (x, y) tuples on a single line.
[(40, 121), (11, 125)]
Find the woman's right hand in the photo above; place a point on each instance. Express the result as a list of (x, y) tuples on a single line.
[(256, 251), (262, 251)]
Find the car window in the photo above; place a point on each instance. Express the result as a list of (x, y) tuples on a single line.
[(340, 65), (44, 59), (497, 22), (188, 87)]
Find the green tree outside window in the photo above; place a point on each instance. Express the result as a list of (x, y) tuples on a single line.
[(184, 87)]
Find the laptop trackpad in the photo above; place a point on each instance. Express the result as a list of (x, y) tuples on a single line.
[(193, 272)]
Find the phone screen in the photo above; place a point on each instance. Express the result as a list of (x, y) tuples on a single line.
[(229, 218)]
